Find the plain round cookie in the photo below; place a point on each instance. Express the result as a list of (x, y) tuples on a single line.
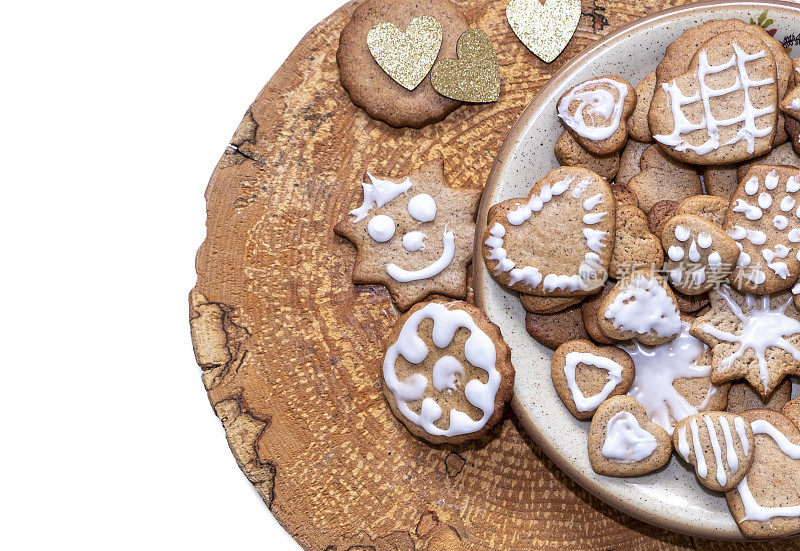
[(439, 368), (370, 87)]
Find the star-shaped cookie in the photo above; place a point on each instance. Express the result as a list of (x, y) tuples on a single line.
[(753, 337), (414, 235)]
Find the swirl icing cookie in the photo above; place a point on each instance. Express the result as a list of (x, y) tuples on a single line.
[(624, 442), (585, 375), (557, 242), (635, 248), (640, 307), (723, 109), (413, 235), (718, 445), (753, 337), (570, 153), (447, 372), (764, 219), (596, 112), (766, 503), (700, 255)]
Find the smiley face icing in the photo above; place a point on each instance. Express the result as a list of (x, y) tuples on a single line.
[(413, 235)]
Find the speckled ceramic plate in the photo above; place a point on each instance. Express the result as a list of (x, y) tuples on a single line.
[(670, 498)]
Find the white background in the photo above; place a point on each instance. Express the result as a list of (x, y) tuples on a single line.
[(113, 116)]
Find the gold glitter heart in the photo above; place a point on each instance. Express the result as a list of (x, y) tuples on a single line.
[(407, 56), (545, 29), (473, 77)]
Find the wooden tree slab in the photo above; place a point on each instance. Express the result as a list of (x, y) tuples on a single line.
[(291, 350)]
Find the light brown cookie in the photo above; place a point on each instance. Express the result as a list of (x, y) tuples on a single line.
[(629, 162), (790, 105), (635, 248), (764, 219), (570, 153), (690, 304), (596, 112), (721, 180), (589, 308), (447, 372), (663, 178), (370, 87), (413, 235), (792, 411), (755, 338), (557, 242), (638, 125), (742, 397), (793, 129), (585, 375), (553, 330), (661, 212), (641, 307), (624, 195), (683, 100), (783, 155), (765, 505), (710, 207), (700, 255), (624, 442), (720, 447), (547, 305)]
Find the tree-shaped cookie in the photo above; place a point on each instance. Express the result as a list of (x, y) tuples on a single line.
[(414, 235)]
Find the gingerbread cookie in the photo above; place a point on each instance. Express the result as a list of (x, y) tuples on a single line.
[(630, 161), (742, 397), (624, 442), (638, 125), (700, 254), (439, 356), (783, 155), (635, 247), (721, 180), (413, 235), (753, 337), (689, 304), (624, 195), (790, 105), (764, 218), (570, 153), (596, 111), (710, 207), (766, 504), (733, 127), (585, 375), (553, 330), (661, 212), (663, 178), (557, 242), (792, 411), (641, 307), (547, 305), (400, 35), (589, 309), (793, 129)]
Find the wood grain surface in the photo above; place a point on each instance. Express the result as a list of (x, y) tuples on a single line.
[(290, 350)]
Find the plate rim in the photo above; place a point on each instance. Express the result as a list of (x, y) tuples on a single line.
[(478, 266)]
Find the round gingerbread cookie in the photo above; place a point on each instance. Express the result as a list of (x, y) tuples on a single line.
[(447, 372), (370, 87)]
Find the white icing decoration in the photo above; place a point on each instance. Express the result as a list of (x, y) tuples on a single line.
[(787, 203), (793, 184), (381, 228), (644, 306), (522, 213), (414, 241), (751, 186), (795, 104), (479, 350), (422, 208), (444, 373), (738, 233), (722, 476), (675, 253), (780, 269), (571, 361), (593, 217), (683, 444), (741, 430), (700, 458), (694, 254), (771, 180), (598, 101), (764, 200), (594, 239), (626, 441), (682, 233), (714, 261), (780, 222), (763, 328), (730, 450), (431, 270), (704, 240), (592, 201), (377, 194), (580, 188), (751, 212)]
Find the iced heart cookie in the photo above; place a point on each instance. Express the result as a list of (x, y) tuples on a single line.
[(783, 155), (700, 255), (742, 397), (718, 445), (766, 504), (662, 178), (638, 125), (570, 153), (547, 305), (764, 219), (721, 181), (557, 242), (641, 307), (585, 375), (673, 380), (413, 235), (753, 337), (629, 162), (624, 442), (635, 248), (596, 112), (447, 372), (724, 108), (710, 207), (553, 330)]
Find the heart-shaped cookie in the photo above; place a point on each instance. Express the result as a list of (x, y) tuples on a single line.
[(558, 241), (474, 76), (725, 442), (766, 504), (547, 28), (407, 56), (624, 442)]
